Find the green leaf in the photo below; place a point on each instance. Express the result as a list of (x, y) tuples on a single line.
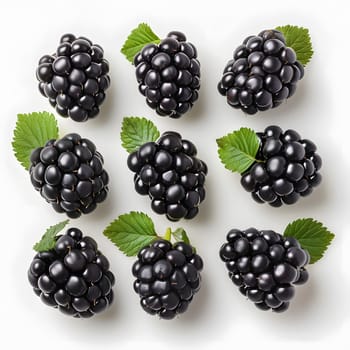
[(136, 131), (298, 38), (180, 235), (32, 130), (312, 235), (137, 39), (48, 240), (237, 150), (131, 232)]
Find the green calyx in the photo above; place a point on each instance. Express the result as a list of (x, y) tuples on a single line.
[(139, 37), (48, 240), (298, 38), (312, 235), (238, 150), (32, 130), (135, 230), (136, 131)]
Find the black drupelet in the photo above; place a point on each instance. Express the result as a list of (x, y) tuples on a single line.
[(74, 276), (74, 78), (265, 266), (263, 73), (169, 75), (170, 173), (287, 168), (167, 277), (69, 174)]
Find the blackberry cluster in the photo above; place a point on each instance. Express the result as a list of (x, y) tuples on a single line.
[(74, 276), (74, 78), (262, 74), (169, 75), (170, 173), (265, 266), (167, 277), (69, 174), (287, 168)]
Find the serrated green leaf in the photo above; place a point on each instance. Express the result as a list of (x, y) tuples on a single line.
[(32, 130), (131, 232), (180, 235), (238, 149), (137, 39), (312, 235), (136, 131), (298, 38), (48, 240)]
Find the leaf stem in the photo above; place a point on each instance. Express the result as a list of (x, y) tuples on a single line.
[(167, 235)]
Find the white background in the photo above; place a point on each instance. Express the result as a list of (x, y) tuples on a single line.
[(219, 316)]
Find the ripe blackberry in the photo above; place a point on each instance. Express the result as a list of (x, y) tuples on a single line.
[(286, 169), (262, 74), (170, 173), (74, 78), (167, 277), (168, 75), (74, 276), (69, 174), (265, 266)]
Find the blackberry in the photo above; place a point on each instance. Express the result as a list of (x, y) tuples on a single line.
[(73, 277), (286, 169), (168, 75), (69, 174), (265, 266), (169, 172), (167, 277), (263, 73), (74, 78)]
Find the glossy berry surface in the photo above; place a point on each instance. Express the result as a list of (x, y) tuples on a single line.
[(265, 266), (287, 168), (69, 174), (74, 78), (167, 277), (168, 75), (74, 277), (169, 172), (263, 73)]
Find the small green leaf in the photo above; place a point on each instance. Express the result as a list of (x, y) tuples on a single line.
[(32, 130), (237, 150), (48, 240), (131, 232), (312, 235), (138, 38), (298, 38), (136, 131), (180, 235)]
